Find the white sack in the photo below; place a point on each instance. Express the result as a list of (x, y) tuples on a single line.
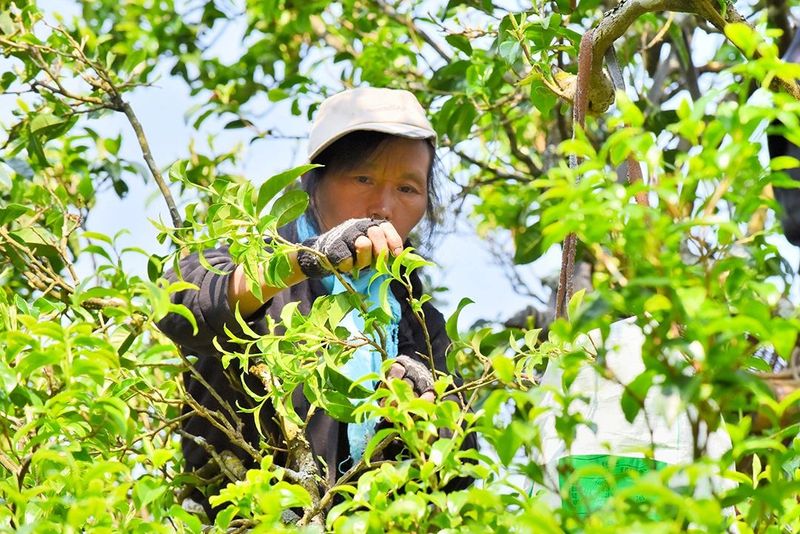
[(615, 436)]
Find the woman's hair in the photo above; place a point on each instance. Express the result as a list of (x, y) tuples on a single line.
[(358, 147)]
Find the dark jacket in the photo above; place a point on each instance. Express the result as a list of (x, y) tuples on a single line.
[(209, 305), (788, 198)]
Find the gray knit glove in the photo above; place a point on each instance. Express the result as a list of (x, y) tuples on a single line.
[(415, 373), (337, 244)]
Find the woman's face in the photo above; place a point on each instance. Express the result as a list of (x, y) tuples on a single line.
[(391, 185)]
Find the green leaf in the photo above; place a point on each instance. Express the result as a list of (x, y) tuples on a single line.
[(98, 236), (154, 267), (8, 378), (542, 98), (460, 42), (177, 171), (337, 406), (461, 122), (578, 146), (743, 36), (634, 394), (11, 212), (238, 123), (783, 337), (336, 308), (344, 385), (510, 50), (631, 114), (35, 148), (691, 298), (656, 303), (224, 517), (379, 436), (596, 311), (43, 121), (574, 304), (383, 296), (278, 270), (36, 360), (504, 367), (449, 77), (277, 94), (452, 322), (176, 512), (508, 444), (292, 495), (782, 163), (147, 489), (117, 411), (6, 24), (86, 188), (528, 244), (184, 312), (277, 183), (289, 207)]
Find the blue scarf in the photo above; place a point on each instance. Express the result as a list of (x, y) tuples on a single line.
[(364, 360)]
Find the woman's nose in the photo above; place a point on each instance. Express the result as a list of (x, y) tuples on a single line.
[(380, 206)]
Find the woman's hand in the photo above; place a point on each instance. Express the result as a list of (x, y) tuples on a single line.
[(415, 373), (420, 378), (354, 243), (378, 238)]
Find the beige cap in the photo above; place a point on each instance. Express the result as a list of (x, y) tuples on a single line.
[(392, 111)]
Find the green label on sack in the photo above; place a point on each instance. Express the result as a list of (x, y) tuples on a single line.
[(597, 477)]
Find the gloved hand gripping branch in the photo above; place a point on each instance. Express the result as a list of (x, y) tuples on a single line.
[(336, 245), (420, 378), (413, 372)]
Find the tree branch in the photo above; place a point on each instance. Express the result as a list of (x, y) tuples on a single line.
[(616, 21), (148, 158), (301, 457), (326, 499), (106, 84), (498, 174), (585, 59), (40, 276)]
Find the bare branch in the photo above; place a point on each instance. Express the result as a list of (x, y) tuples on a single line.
[(498, 174), (105, 83), (565, 283), (326, 499), (151, 164), (40, 276)]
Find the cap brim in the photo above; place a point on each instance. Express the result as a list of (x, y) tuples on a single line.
[(400, 130)]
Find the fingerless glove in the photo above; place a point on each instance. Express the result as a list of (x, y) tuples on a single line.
[(337, 244)]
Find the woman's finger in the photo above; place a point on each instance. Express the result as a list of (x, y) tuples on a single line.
[(393, 240), (428, 396), (378, 238), (363, 251), (396, 371), (344, 266)]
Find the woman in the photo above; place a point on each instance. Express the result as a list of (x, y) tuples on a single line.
[(377, 148)]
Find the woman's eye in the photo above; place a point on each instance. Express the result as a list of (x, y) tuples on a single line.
[(362, 179), (407, 189)]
